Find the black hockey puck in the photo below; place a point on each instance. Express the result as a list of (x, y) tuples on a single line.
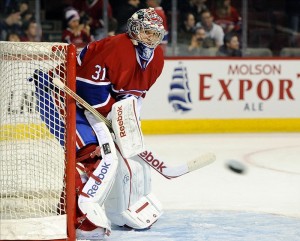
[(236, 166)]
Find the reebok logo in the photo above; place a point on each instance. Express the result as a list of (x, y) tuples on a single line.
[(120, 121), (147, 156), (93, 189)]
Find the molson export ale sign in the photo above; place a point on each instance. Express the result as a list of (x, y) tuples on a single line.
[(225, 88)]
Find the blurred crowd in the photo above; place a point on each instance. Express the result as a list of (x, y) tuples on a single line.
[(18, 23), (202, 25)]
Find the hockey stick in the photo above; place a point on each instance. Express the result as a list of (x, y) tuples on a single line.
[(147, 156), (175, 171)]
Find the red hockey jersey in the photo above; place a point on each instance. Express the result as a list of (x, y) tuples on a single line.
[(110, 68)]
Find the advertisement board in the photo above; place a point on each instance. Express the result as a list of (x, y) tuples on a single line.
[(225, 89)]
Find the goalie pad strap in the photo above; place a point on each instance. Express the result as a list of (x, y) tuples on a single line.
[(86, 153), (89, 172), (84, 157)]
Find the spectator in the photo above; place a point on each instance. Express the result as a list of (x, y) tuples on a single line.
[(195, 7), (9, 6), (227, 16), (13, 37), (12, 23), (124, 12), (160, 12), (293, 17), (213, 30), (92, 11), (32, 32), (25, 12), (143, 3), (112, 27), (200, 40), (167, 6), (186, 29), (231, 46), (77, 34)]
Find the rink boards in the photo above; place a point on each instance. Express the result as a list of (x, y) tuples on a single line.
[(208, 96)]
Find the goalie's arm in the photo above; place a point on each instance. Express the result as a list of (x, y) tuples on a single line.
[(81, 101)]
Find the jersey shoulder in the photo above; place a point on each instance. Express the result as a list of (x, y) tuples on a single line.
[(120, 41), (107, 50)]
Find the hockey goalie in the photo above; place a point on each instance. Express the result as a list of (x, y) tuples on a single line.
[(112, 186), (113, 76)]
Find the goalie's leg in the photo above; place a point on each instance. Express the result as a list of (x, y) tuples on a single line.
[(92, 222), (131, 202), (97, 180)]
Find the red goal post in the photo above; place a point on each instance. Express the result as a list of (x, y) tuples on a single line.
[(37, 148)]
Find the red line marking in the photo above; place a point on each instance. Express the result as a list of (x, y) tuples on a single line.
[(248, 158)]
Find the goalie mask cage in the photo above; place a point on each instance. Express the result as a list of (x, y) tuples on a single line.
[(37, 147)]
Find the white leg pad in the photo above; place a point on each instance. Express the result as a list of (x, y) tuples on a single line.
[(131, 202), (128, 188), (97, 191), (98, 186), (147, 177)]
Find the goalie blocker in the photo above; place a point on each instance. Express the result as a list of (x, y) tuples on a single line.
[(126, 126)]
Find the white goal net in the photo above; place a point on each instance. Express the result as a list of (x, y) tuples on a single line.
[(32, 141)]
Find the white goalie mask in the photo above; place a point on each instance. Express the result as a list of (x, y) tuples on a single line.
[(146, 27)]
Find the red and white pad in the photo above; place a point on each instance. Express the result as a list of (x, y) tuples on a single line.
[(96, 189), (126, 126), (143, 213)]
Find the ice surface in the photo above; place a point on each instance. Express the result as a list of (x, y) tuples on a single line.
[(196, 225)]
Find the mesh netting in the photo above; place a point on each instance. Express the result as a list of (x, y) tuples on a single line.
[(32, 138)]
